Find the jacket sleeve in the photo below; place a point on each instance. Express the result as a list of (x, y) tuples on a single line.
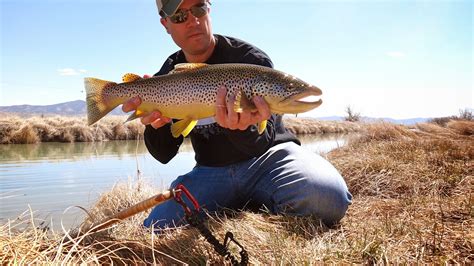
[(161, 144)]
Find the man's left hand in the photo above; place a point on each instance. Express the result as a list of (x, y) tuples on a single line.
[(226, 116)]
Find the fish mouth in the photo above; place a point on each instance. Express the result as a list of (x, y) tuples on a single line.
[(303, 101)]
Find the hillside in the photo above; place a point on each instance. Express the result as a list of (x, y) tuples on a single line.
[(72, 108)]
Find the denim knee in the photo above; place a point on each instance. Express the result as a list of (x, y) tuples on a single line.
[(332, 207), (314, 187)]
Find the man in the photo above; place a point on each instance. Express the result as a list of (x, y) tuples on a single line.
[(236, 167)]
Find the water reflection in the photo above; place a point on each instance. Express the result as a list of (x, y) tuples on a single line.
[(50, 177), (75, 151), (81, 150), (323, 143)]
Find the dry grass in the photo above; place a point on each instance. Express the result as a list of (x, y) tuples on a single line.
[(412, 204), (413, 192), (21, 130), (314, 126)]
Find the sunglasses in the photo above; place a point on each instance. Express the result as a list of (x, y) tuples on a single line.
[(181, 15)]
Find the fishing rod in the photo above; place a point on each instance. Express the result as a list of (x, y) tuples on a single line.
[(192, 217), (137, 208)]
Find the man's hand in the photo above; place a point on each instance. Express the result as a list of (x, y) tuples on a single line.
[(155, 119), (226, 116)]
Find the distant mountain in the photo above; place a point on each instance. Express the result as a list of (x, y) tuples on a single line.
[(331, 118), (79, 108), (409, 121), (68, 109)]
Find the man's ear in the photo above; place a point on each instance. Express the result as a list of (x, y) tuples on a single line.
[(164, 22)]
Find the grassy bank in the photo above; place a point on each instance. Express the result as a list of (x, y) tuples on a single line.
[(20, 130), (302, 126), (413, 203)]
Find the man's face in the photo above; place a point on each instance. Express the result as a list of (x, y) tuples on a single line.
[(194, 35)]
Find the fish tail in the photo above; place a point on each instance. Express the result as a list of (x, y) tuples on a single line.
[(98, 103)]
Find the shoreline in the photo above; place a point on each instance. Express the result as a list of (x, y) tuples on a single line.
[(36, 129)]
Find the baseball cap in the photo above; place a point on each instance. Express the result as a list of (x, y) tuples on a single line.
[(167, 7)]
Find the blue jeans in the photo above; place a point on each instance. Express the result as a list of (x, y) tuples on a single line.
[(286, 179)]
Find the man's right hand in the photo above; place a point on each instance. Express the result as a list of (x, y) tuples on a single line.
[(154, 119)]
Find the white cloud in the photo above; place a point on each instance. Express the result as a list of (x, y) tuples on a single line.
[(396, 54), (70, 71)]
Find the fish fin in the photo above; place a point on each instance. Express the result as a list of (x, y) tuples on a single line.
[(138, 113), (243, 103), (262, 126), (183, 127), (130, 77), (183, 67), (98, 103)]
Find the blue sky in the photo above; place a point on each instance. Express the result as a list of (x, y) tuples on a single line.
[(390, 58)]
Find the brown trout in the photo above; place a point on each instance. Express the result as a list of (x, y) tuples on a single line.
[(188, 93)]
